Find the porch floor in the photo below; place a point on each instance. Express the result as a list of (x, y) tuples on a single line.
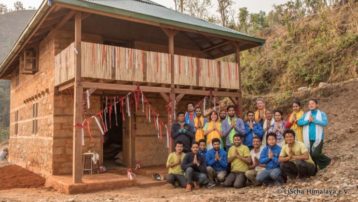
[(104, 181)]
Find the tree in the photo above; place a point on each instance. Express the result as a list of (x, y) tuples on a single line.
[(18, 6), (3, 9), (198, 8), (243, 15), (224, 7), (179, 5)]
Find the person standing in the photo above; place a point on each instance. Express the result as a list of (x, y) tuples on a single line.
[(313, 123), (268, 123), (252, 129), (183, 132), (260, 111), (190, 115), (231, 126), (278, 127), (291, 123), (212, 129), (199, 123)]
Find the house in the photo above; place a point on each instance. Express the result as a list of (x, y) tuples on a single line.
[(74, 54)]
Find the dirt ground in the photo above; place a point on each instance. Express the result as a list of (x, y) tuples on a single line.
[(13, 176), (338, 182)]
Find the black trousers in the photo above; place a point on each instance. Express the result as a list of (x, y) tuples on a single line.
[(318, 157), (174, 178), (299, 168)]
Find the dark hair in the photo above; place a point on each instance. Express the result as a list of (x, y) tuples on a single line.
[(271, 134), (211, 113), (178, 142), (179, 113), (190, 103), (256, 137), (229, 107), (249, 112), (197, 107), (289, 131), (238, 135), (279, 111), (296, 102), (201, 140), (215, 140), (197, 143), (314, 100)]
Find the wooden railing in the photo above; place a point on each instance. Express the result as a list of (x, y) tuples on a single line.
[(125, 64)]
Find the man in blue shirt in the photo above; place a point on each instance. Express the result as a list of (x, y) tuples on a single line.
[(313, 123), (202, 147), (252, 129), (270, 158), (216, 161), (232, 125)]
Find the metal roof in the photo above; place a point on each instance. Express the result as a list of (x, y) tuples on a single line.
[(148, 10)]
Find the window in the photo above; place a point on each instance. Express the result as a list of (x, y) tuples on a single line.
[(29, 61), (16, 122), (35, 112)]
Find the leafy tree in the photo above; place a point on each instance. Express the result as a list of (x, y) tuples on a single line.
[(224, 7)]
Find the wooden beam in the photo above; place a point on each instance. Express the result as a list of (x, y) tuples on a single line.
[(237, 55), (179, 97), (165, 97), (65, 86), (216, 46), (65, 20), (77, 105), (123, 87), (205, 92)]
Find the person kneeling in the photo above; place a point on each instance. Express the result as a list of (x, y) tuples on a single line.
[(194, 166), (176, 173), (216, 161), (255, 168), (295, 158), (239, 157), (269, 157)]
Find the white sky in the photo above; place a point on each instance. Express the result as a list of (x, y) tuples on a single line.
[(252, 5)]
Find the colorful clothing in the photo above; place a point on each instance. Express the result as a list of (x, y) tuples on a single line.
[(249, 133), (220, 165), (294, 126), (270, 163), (298, 149), (260, 118), (238, 165), (229, 132), (174, 158), (199, 133), (213, 134), (267, 125), (278, 128), (189, 119)]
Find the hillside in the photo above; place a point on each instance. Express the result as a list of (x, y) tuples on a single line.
[(321, 47)]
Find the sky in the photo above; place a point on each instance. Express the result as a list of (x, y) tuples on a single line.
[(252, 5)]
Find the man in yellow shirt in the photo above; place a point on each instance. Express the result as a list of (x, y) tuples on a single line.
[(295, 159), (239, 157), (176, 173)]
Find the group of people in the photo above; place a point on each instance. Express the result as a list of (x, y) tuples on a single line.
[(265, 149)]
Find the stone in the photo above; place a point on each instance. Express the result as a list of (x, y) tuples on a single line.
[(323, 85)]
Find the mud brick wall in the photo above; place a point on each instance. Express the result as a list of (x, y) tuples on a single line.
[(63, 133), (33, 151)]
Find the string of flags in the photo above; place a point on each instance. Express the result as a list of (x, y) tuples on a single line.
[(124, 106), (127, 105)]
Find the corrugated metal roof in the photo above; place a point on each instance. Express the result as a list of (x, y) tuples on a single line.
[(152, 11)]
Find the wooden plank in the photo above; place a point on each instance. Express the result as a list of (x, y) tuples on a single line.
[(237, 54), (165, 97), (123, 87), (205, 92), (78, 99), (179, 98)]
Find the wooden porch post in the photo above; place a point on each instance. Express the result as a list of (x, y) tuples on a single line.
[(239, 98), (171, 34), (77, 105)]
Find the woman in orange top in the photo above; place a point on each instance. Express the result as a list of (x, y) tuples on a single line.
[(291, 123), (212, 129)]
